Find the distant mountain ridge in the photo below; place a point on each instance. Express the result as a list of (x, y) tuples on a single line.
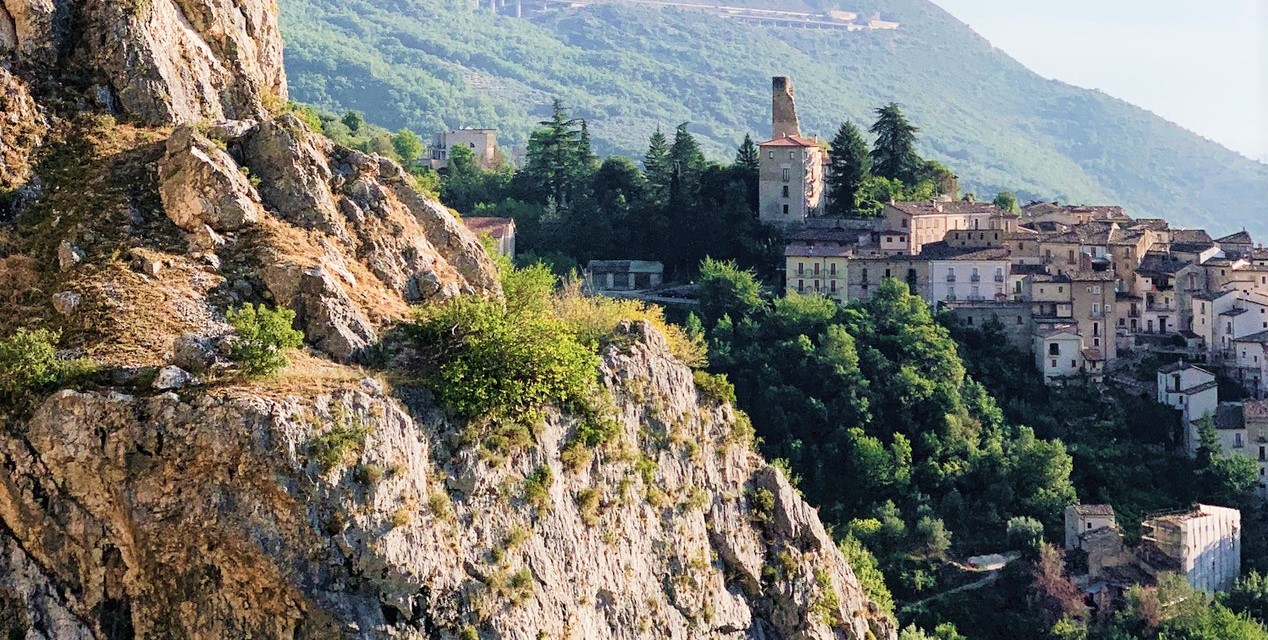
[(428, 64)]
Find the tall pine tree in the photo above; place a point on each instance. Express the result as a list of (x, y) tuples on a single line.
[(553, 155), (850, 164), (894, 154), (657, 168), (688, 161), (746, 157)]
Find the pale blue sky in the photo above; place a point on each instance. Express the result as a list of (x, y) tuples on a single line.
[(1203, 65)]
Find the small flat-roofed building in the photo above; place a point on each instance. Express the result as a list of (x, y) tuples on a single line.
[(482, 143), (1204, 544), (1249, 364), (1081, 519), (500, 230), (623, 275)]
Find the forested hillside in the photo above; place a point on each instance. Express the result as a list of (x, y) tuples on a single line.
[(427, 64)]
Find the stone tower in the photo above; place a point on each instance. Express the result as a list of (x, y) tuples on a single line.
[(783, 110)]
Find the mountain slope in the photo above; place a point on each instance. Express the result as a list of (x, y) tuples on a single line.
[(432, 63)]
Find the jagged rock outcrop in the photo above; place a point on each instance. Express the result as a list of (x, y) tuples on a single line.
[(215, 515), (22, 127), (159, 61), (201, 185)]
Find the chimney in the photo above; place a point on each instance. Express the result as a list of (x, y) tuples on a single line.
[(783, 110)]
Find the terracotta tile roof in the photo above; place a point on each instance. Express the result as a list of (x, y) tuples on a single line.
[(1181, 366), (1261, 338), (798, 250), (1205, 386), (1191, 236), (1241, 237), (1152, 224), (1161, 263), (790, 141), (1093, 509), (1255, 408), (1093, 354), (928, 207), (942, 251), (1057, 329), (496, 227)]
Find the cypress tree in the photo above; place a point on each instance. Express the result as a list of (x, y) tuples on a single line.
[(553, 154), (850, 164), (894, 155)]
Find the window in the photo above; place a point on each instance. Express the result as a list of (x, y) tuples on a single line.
[(1096, 342), (816, 285), (1021, 246), (887, 272), (792, 155), (834, 286), (801, 267), (785, 191), (771, 155), (1096, 289), (785, 209), (833, 269), (864, 274), (1074, 363), (1054, 364), (1019, 320), (1054, 349), (1089, 526), (904, 223), (801, 286), (1237, 441), (787, 174), (1096, 309), (1096, 328), (816, 268)]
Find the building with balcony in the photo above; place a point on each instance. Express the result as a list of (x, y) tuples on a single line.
[(967, 273), (815, 268), (931, 221)]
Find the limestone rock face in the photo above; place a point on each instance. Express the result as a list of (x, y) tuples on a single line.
[(22, 126), (230, 513), (201, 185), (160, 61)]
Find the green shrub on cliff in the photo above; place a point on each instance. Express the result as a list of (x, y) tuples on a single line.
[(263, 337), (28, 361)]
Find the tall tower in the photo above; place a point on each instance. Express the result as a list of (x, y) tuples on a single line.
[(783, 110)]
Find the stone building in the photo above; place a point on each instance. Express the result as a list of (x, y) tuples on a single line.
[(1081, 519), (865, 274), (791, 167), (482, 143), (1256, 415), (623, 275), (1204, 544), (931, 221)]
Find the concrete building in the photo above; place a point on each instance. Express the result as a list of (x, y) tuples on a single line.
[(817, 268), (623, 275), (1193, 392), (482, 143), (1081, 519), (500, 230), (1204, 544)]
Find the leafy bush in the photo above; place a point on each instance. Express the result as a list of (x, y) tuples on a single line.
[(537, 488), (868, 573), (486, 361), (338, 445), (28, 359), (263, 337), (716, 386)]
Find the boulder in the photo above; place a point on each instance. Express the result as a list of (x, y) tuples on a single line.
[(68, 255), (201, 185), (331, 321), (193, 353), (65, 302), (294, 174), (173, 377)]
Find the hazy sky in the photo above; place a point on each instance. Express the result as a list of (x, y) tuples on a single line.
[(1203, 65)]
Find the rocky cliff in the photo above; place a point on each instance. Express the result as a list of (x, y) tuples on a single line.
[(150, 180)]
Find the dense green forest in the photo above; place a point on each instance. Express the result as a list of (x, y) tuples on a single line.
[(428, 64)]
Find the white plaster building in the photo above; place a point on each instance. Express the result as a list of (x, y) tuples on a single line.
[(1192, 391)]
